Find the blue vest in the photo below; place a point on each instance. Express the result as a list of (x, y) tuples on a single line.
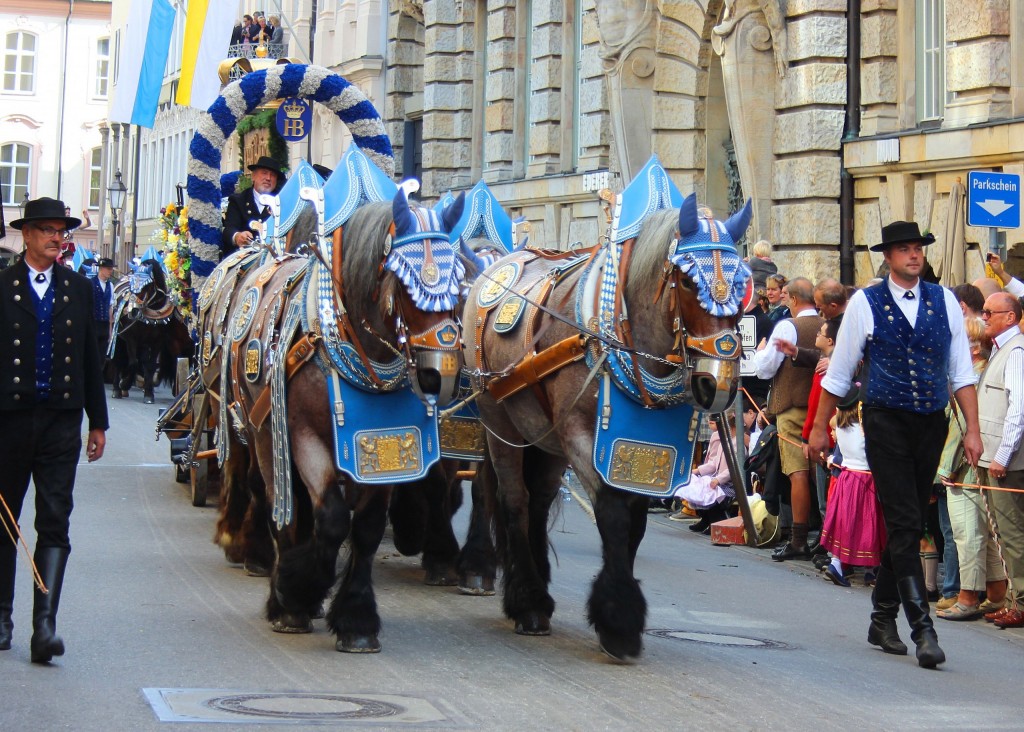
[(102, 293), (909, 365), (44, 341)]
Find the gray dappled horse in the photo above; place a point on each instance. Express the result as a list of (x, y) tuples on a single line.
[(677, 313), (380, 313)]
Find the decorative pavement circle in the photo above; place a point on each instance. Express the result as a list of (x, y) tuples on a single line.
[(300, 707)]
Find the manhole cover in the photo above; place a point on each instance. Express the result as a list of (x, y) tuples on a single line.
[(296, 707), (717, 639)]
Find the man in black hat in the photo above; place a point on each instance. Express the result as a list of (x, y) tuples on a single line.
[(247, 210), (102, 295), (911, 333), (49, 372)]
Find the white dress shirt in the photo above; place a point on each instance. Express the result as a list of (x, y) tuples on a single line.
[(1013, 378), (1015, 287), (39, 287), (859, 325), (768, 360)]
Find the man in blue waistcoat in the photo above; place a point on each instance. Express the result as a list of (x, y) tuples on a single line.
[(50, 370), (911, 333), (102, 295)]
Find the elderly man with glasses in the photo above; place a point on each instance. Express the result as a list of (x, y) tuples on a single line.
[(1001, 415), (50, 371)]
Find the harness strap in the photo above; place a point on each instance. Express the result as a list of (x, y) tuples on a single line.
[(298, 355), (535, 367)]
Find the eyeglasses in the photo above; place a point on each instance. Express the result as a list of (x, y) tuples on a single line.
[(49, 231), (989, 313)]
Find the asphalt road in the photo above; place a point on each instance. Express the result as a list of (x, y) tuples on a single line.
[(162, 633)]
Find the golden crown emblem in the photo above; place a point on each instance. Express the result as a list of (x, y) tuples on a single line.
[(294, 110)]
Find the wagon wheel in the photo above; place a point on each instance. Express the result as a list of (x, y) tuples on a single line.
[(199, 479)]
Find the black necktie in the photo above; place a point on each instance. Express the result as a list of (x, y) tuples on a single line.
[(908, 295), (40, 278)]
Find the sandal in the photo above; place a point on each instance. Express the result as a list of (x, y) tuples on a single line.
[(989, 606), (959, 611)]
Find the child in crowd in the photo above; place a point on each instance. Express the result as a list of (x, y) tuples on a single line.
[(710, 488), (854, 530)]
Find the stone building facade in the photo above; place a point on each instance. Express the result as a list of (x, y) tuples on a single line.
[(549, 101)]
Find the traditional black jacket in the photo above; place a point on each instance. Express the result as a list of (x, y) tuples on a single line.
[(77, 379)]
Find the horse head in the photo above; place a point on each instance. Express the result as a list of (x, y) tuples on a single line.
[(148, 285), (711, 282), (428, 263)]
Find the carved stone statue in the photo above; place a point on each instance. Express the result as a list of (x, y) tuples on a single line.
[(628, 31), (751, 41)]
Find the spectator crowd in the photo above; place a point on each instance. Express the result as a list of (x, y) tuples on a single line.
[(894, 416)]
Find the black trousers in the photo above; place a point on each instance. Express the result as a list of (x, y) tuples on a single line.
[(903, 451), (42, 445)]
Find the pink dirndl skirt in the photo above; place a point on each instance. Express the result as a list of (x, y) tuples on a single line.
[(854, 530)]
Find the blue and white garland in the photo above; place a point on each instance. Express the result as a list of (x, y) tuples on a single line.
[(241, 98)]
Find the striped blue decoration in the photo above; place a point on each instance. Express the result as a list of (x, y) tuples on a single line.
[(240, 98)]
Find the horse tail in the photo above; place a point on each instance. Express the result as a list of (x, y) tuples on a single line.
[(168, 364)]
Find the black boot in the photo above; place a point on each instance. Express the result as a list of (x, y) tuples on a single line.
[(699, 527), (50, 561), (885, 599), (8, 558), (922, 632)]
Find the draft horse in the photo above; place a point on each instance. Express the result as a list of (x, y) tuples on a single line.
[(149, 332), (379, 307), (548, 332)]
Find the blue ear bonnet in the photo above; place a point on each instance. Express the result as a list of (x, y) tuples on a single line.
[(433, 285), (708, 255), (139, 279)]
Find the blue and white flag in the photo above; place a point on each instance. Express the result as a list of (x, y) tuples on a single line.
[(145, 43)]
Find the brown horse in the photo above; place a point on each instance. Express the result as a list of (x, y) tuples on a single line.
[(391, 321), (149, 332), (670, 328)]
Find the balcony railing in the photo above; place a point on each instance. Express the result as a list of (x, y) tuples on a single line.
[(249, 50)]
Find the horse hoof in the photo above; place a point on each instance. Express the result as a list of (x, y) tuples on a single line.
[(620, 649), (148, 400), (289, 623), (352, 643), (254, 569), (440, 578), (478, 585), (533, 624), (115, 394)]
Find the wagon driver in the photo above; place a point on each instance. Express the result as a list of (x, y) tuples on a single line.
[(918, 355), (248, 210), (50, 370)]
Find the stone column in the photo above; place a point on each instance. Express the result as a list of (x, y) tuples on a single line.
[(880, 69), (449, 40), (753, 45), (499, 117), (628, 30)]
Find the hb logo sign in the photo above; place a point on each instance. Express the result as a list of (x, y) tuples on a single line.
[(294, 118)]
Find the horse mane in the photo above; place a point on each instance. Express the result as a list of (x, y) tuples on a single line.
[(363, 242), (651, 251), (160, 292)]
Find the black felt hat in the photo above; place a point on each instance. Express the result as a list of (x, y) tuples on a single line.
[(105, 262), (46, 209), (899, 232), (269, 163)]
